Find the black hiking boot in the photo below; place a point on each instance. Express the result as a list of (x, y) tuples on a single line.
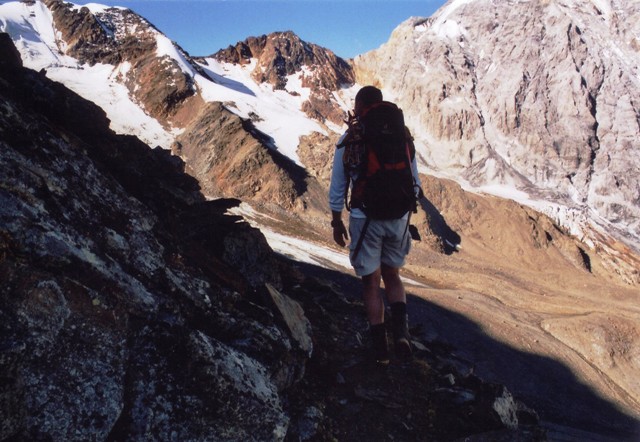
[(380, 344), (400, 329)]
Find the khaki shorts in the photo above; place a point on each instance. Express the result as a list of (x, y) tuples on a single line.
[(385, 242)]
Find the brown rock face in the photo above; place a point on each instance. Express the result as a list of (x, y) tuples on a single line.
[(85, 38), (230, 158), (283, 53)]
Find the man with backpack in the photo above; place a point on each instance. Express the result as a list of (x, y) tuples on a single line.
[(375, 162)]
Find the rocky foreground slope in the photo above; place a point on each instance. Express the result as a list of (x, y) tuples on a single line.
[(132, 308)]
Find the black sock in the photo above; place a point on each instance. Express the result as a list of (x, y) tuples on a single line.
[(379, 340), (398, 309)]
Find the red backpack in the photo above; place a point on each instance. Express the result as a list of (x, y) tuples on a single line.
[(379, 148)]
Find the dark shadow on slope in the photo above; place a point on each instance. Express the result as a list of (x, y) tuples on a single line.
[(226, 81), (545, 384), (449, 238), (568, 408)]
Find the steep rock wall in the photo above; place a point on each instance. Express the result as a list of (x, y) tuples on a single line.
[(540, 95)]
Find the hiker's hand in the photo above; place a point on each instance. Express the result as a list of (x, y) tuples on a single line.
[(340, 234)]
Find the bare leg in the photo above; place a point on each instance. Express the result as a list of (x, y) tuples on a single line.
[(373, 302), (374, 306), (393, 286)]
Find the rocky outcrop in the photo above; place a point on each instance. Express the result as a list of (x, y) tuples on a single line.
[(283, 54), (83, 35), (540, 95), (126, 297)]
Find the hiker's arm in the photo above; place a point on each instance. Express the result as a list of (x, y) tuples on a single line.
[(416, 176), (337, 189), (338, 184), (414, 171)]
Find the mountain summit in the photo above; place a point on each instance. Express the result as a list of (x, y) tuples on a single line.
[(280, 55)]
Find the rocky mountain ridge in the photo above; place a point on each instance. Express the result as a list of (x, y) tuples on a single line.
[(281, 54)]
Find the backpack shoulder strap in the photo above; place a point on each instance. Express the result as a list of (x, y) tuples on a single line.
[(410, 143)]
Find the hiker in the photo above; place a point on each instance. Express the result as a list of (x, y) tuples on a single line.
[(378, 223)]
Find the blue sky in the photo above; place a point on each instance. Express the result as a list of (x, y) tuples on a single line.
[(347, 27)]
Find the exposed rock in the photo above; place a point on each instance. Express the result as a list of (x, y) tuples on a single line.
[(111, 294), (316, 151), (84, 36), (231, 158), (293, 316), (281, 54)]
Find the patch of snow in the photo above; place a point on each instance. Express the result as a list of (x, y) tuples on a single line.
[(99, 84), (443, 26), (96, 8), (299, 249), (443, 14), (603, 6), (505, 191), (449, 29), (34, 36), (304, 251)]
